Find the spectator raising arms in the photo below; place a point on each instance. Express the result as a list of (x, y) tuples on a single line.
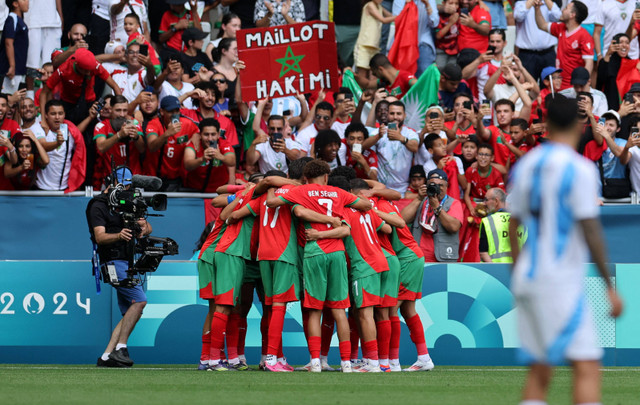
[(31, 158)]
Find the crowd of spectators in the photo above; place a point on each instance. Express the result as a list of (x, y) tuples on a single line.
[(139, 83)]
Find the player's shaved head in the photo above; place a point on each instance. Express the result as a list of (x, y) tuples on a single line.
[(316, 168)]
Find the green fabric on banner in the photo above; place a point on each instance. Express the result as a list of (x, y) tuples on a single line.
[(420, 96)]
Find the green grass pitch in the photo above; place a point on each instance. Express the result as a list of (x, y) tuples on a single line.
[(141, 385)]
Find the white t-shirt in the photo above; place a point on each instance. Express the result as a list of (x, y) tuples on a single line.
[(552, 188), (42, 14), (423, 157), (501, 91), (130, 85), (305, 137), (340, 127), (117, 21), (169, 90), (615, 16), (634, 168), (394, 160), (102, 8), (49, 177), (272, 160)]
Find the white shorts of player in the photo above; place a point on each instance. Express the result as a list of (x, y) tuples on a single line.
[(554, 326)]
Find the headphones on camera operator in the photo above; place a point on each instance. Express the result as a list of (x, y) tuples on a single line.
[(123, 197)]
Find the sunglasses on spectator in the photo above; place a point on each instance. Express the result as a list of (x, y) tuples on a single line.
[(323, 117), (219, 80)]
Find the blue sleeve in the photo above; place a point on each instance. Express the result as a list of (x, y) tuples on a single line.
[(9, 30)]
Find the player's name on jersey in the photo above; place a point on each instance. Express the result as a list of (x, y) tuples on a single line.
[(322, 193)]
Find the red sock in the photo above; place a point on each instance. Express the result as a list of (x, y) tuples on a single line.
[(275, 329), (264, 328), (384, 338), (371, 347), (394, 345), (355, 337), (206, 347), (314, 346), (218, 327), (417, 334), (327, 331), (233, 336), (345, 350), (242, 335), (305, 324)]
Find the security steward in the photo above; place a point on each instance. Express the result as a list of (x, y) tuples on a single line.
[(495, 246)]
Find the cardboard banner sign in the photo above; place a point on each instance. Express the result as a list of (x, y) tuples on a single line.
[(288, 59)]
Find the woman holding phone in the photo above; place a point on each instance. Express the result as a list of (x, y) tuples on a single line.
[(31, 158)]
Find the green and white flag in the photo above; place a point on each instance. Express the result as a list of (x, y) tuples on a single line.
[(349, 81), (422, 95)]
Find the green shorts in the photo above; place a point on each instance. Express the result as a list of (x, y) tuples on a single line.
[(411, 275), (390, 282), (280, 280), (206, 278), (228, 282), (365, 291), (251, 272), (325, 281)]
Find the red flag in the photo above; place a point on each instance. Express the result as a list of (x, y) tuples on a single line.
[(627, 75), (78, 161), (404, 52)]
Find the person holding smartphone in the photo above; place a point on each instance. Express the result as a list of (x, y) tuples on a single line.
[(31, 158), (630, 155), (140, 72)]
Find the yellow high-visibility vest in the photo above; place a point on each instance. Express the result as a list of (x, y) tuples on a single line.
[(496, 227)]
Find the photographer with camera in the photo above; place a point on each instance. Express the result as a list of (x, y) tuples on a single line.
[(108, 232), (437, 219), (210, 161), (271, 151)]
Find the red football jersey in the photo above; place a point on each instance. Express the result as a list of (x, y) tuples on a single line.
[(219, 174), (71, 81), (400, 86), (169, 19), (123, 153), (573, 48), (325, 200), (403, 236), (213, 237), (385, 242), (468, 37), (470, 130), (372, 161), (363, 246), (480, 184), (172, 151), (237, 238), (226, 125), (500, 150), (277, 233)]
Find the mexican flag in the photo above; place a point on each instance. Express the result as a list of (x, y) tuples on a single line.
[(422, 95)]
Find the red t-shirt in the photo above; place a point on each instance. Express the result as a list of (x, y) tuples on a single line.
[(426, 241), (573, 49), (372, 161), (169, 19), (470, 130), (213, 237), (500, 150), (172, 151), (593, 151), (123, 153), (230, 133), (326, 200), (480, 184), (448, 43), (9, 128), (219, 174), (71, 81), (364, 227), (400, 86), (404, 235), (384, 239), (468, 37), (237, 238), (524, 146)]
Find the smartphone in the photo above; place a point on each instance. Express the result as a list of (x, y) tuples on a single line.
[(466, 104), (175, 119), (34, 73), (213, 144), (637, 5), (64, 128), (464, 11), (277, 136), (357, 147), (222, 133), (491, 49), (635, 132), (434, 115), (601, 121), (629, 98), (101, 103), (348, 96), (393, 125), (144, 49), (286, 113)]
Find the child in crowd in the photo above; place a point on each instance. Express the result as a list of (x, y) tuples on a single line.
[(450, 164), (447, 34), (368, 42), (15, 42)]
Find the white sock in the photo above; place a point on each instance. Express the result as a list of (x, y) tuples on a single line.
[(374, 363), (394, 362), (214, 362), (271, 360), (242, 358), (282, 360), (424, 358), (105, 356), (324, 359), (384, 362), (344, 363), (532, 402), (120, 346), (204, 361), (315, 362), (235, 361)]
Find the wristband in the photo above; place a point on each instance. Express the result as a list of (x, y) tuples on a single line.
[(12, 150)]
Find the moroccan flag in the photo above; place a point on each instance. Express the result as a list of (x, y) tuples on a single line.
[(422, 95), (627, 75), (404, 52)]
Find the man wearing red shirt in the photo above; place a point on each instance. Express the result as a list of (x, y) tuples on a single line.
[(119, 140), (209, 161), (575, 45), (77, 74), (173, 24), (8, 153), (365, 162), (474, 26), (167, 136), (497, 136), (397, 82)]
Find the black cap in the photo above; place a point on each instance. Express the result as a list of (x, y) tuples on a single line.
[(417, 171), (635, 88), (438, 174), (452, 72), (193, 34), (580, 76)]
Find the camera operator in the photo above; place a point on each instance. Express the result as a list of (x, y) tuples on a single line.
[(110, 235), (437, 219)]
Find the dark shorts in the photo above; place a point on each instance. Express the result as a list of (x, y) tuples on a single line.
[(127, 296)]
